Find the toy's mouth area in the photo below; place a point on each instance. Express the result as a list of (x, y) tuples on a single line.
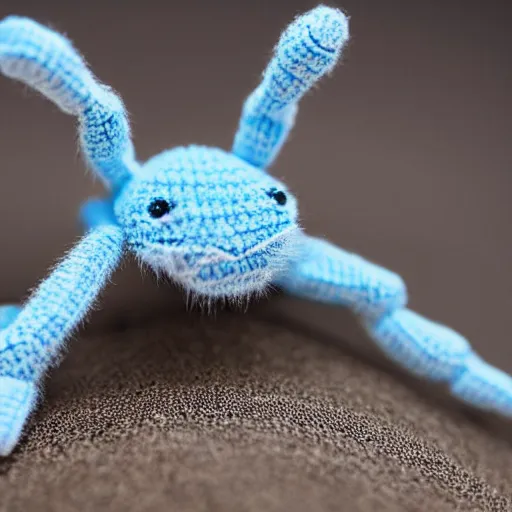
[(217, 273)]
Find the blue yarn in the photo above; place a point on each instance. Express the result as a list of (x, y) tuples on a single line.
[(216, 222), (225, 235)]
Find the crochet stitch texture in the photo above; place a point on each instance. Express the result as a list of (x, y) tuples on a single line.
[(215, 221)]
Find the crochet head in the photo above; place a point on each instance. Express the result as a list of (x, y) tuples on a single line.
[(213, 223)]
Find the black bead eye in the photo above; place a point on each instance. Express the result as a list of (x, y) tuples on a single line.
[(278, 195), (158, 208)]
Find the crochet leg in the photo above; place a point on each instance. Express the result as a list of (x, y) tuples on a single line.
[(36, 335), (427, 349), (47, 62), (328, 274), (437, 353), (308, 49)]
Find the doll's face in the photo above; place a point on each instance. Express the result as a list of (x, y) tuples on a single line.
[(213, 223)]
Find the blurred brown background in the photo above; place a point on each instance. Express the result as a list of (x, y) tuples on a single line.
[(403, 155)]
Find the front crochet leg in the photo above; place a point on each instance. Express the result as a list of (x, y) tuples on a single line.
[(429, 350), (34, 336)]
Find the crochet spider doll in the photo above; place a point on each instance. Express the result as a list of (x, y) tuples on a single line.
[(215, 221)]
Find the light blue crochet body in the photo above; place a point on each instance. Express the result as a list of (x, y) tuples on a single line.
[(216, 222)]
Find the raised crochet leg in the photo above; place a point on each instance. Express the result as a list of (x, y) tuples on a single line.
[(34, 339), (47, 62), (307, 50), (427, 349)]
